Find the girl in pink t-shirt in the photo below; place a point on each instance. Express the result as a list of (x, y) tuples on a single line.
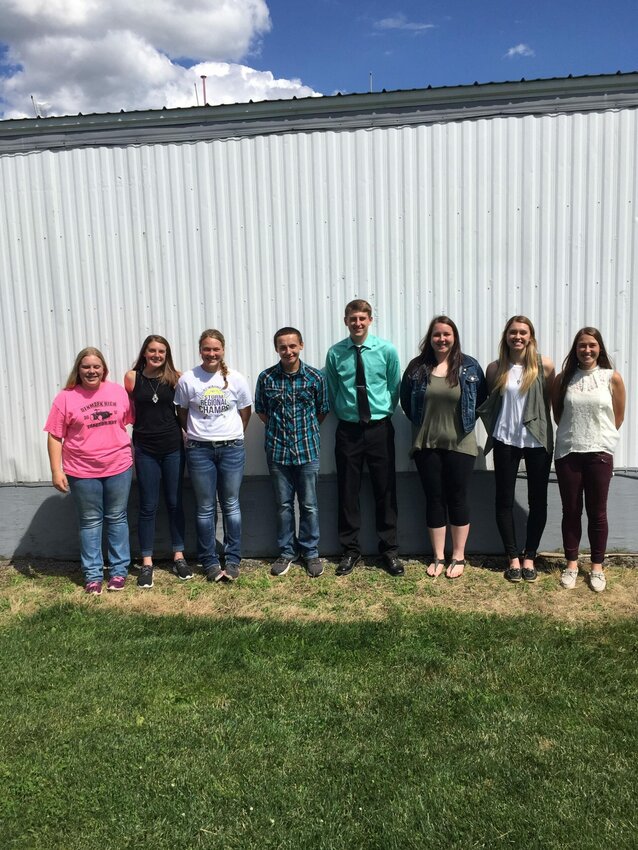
[(90, 456)]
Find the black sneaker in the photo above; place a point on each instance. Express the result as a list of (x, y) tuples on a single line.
[(145, 578), (214, 573), (530, 574), (181, 569)]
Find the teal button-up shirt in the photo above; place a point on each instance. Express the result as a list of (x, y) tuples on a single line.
[(383, 378)]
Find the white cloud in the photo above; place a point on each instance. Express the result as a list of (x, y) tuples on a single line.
[(199, 29), (519, 50), (106, 55), (400, 22)]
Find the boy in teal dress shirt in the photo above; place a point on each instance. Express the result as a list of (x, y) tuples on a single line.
[(364, 377)]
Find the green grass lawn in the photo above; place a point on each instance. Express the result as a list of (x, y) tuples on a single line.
[(439, 729)]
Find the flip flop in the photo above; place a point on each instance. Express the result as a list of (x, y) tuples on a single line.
[(452, 566), (438, 568)]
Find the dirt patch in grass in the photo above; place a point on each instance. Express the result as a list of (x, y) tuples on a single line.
[(369, 593)]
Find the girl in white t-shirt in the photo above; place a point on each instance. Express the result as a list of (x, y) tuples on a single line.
[(589, 408), (214, 410)]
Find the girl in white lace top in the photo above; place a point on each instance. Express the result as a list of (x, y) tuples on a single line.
[(589, 408)]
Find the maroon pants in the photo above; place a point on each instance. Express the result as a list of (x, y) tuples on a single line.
[(588, 473)]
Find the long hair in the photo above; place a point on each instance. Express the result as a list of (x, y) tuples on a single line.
[(426, 360), (219, 336), (570, 363), (168, 374), (530, 363), (74, 375)]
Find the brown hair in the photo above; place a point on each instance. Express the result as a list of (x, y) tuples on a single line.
[(427, 358), (570, 363), (74, 375), (219, 336), (530, 365), (168, 374), (358, 306)]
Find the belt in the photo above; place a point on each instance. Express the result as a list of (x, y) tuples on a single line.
[(214, 443), (371, 424)]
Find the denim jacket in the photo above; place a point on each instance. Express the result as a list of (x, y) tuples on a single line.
[(414, 387)]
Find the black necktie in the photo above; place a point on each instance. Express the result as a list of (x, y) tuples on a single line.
[(362, 391)]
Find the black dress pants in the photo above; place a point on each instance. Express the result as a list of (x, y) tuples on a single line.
[(357, 444)]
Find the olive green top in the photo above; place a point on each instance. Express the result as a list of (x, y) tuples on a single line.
[(441, 427)]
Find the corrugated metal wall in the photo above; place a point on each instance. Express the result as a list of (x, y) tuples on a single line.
[(479, 219)]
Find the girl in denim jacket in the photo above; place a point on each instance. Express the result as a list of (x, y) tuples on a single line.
[(440, 392)]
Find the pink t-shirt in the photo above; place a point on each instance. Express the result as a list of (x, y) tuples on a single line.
[(92, 427)]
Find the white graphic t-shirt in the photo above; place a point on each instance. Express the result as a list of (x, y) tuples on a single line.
[(213, 410)]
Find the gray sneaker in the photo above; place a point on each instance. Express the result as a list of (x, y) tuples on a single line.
[(231, 571), (314, 567), (281, 566), (214, 573)]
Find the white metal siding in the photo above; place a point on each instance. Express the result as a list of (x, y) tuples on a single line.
[(479, 219)]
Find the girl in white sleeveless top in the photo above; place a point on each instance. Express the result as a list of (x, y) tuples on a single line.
[(589, 408)]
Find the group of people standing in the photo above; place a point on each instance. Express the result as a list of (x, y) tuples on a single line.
[(199, 418)]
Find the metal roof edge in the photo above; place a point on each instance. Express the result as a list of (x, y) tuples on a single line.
[(341, 110)]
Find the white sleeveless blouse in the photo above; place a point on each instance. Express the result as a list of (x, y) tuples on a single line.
[(587, 423)]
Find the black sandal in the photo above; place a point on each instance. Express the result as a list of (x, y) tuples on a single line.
[(438, 568), (454, 563)]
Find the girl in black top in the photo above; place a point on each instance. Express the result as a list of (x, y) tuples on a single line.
[(159, 451)]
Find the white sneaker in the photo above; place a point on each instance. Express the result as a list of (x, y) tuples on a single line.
[(597, 581), (568, 579)]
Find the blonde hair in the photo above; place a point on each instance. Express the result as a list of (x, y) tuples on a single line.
[(530, 363), (219, 336), (74, 375)]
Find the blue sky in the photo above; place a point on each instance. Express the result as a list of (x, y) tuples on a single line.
[(333, 45), (107, 55)]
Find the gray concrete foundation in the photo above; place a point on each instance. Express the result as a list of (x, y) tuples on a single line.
[(40, 522)]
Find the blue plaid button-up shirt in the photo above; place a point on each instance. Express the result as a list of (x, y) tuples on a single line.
[(293, 404)]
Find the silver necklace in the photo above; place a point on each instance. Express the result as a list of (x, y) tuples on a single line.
[(154, 397)]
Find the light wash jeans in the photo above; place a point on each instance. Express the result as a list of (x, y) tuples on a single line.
[(100, 501), (288, 480), (217, 471), (150, 468)]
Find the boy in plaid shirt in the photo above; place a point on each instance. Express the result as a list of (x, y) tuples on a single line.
[(291, 399)]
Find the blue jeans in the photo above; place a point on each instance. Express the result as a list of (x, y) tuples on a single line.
[(99, 501), (302, 480), (150, 468), (217, 471)]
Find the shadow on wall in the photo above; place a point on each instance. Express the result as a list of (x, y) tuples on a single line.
[(40, 522), (52, 529)]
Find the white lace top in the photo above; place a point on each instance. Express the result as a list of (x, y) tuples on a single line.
[(587, 423)]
